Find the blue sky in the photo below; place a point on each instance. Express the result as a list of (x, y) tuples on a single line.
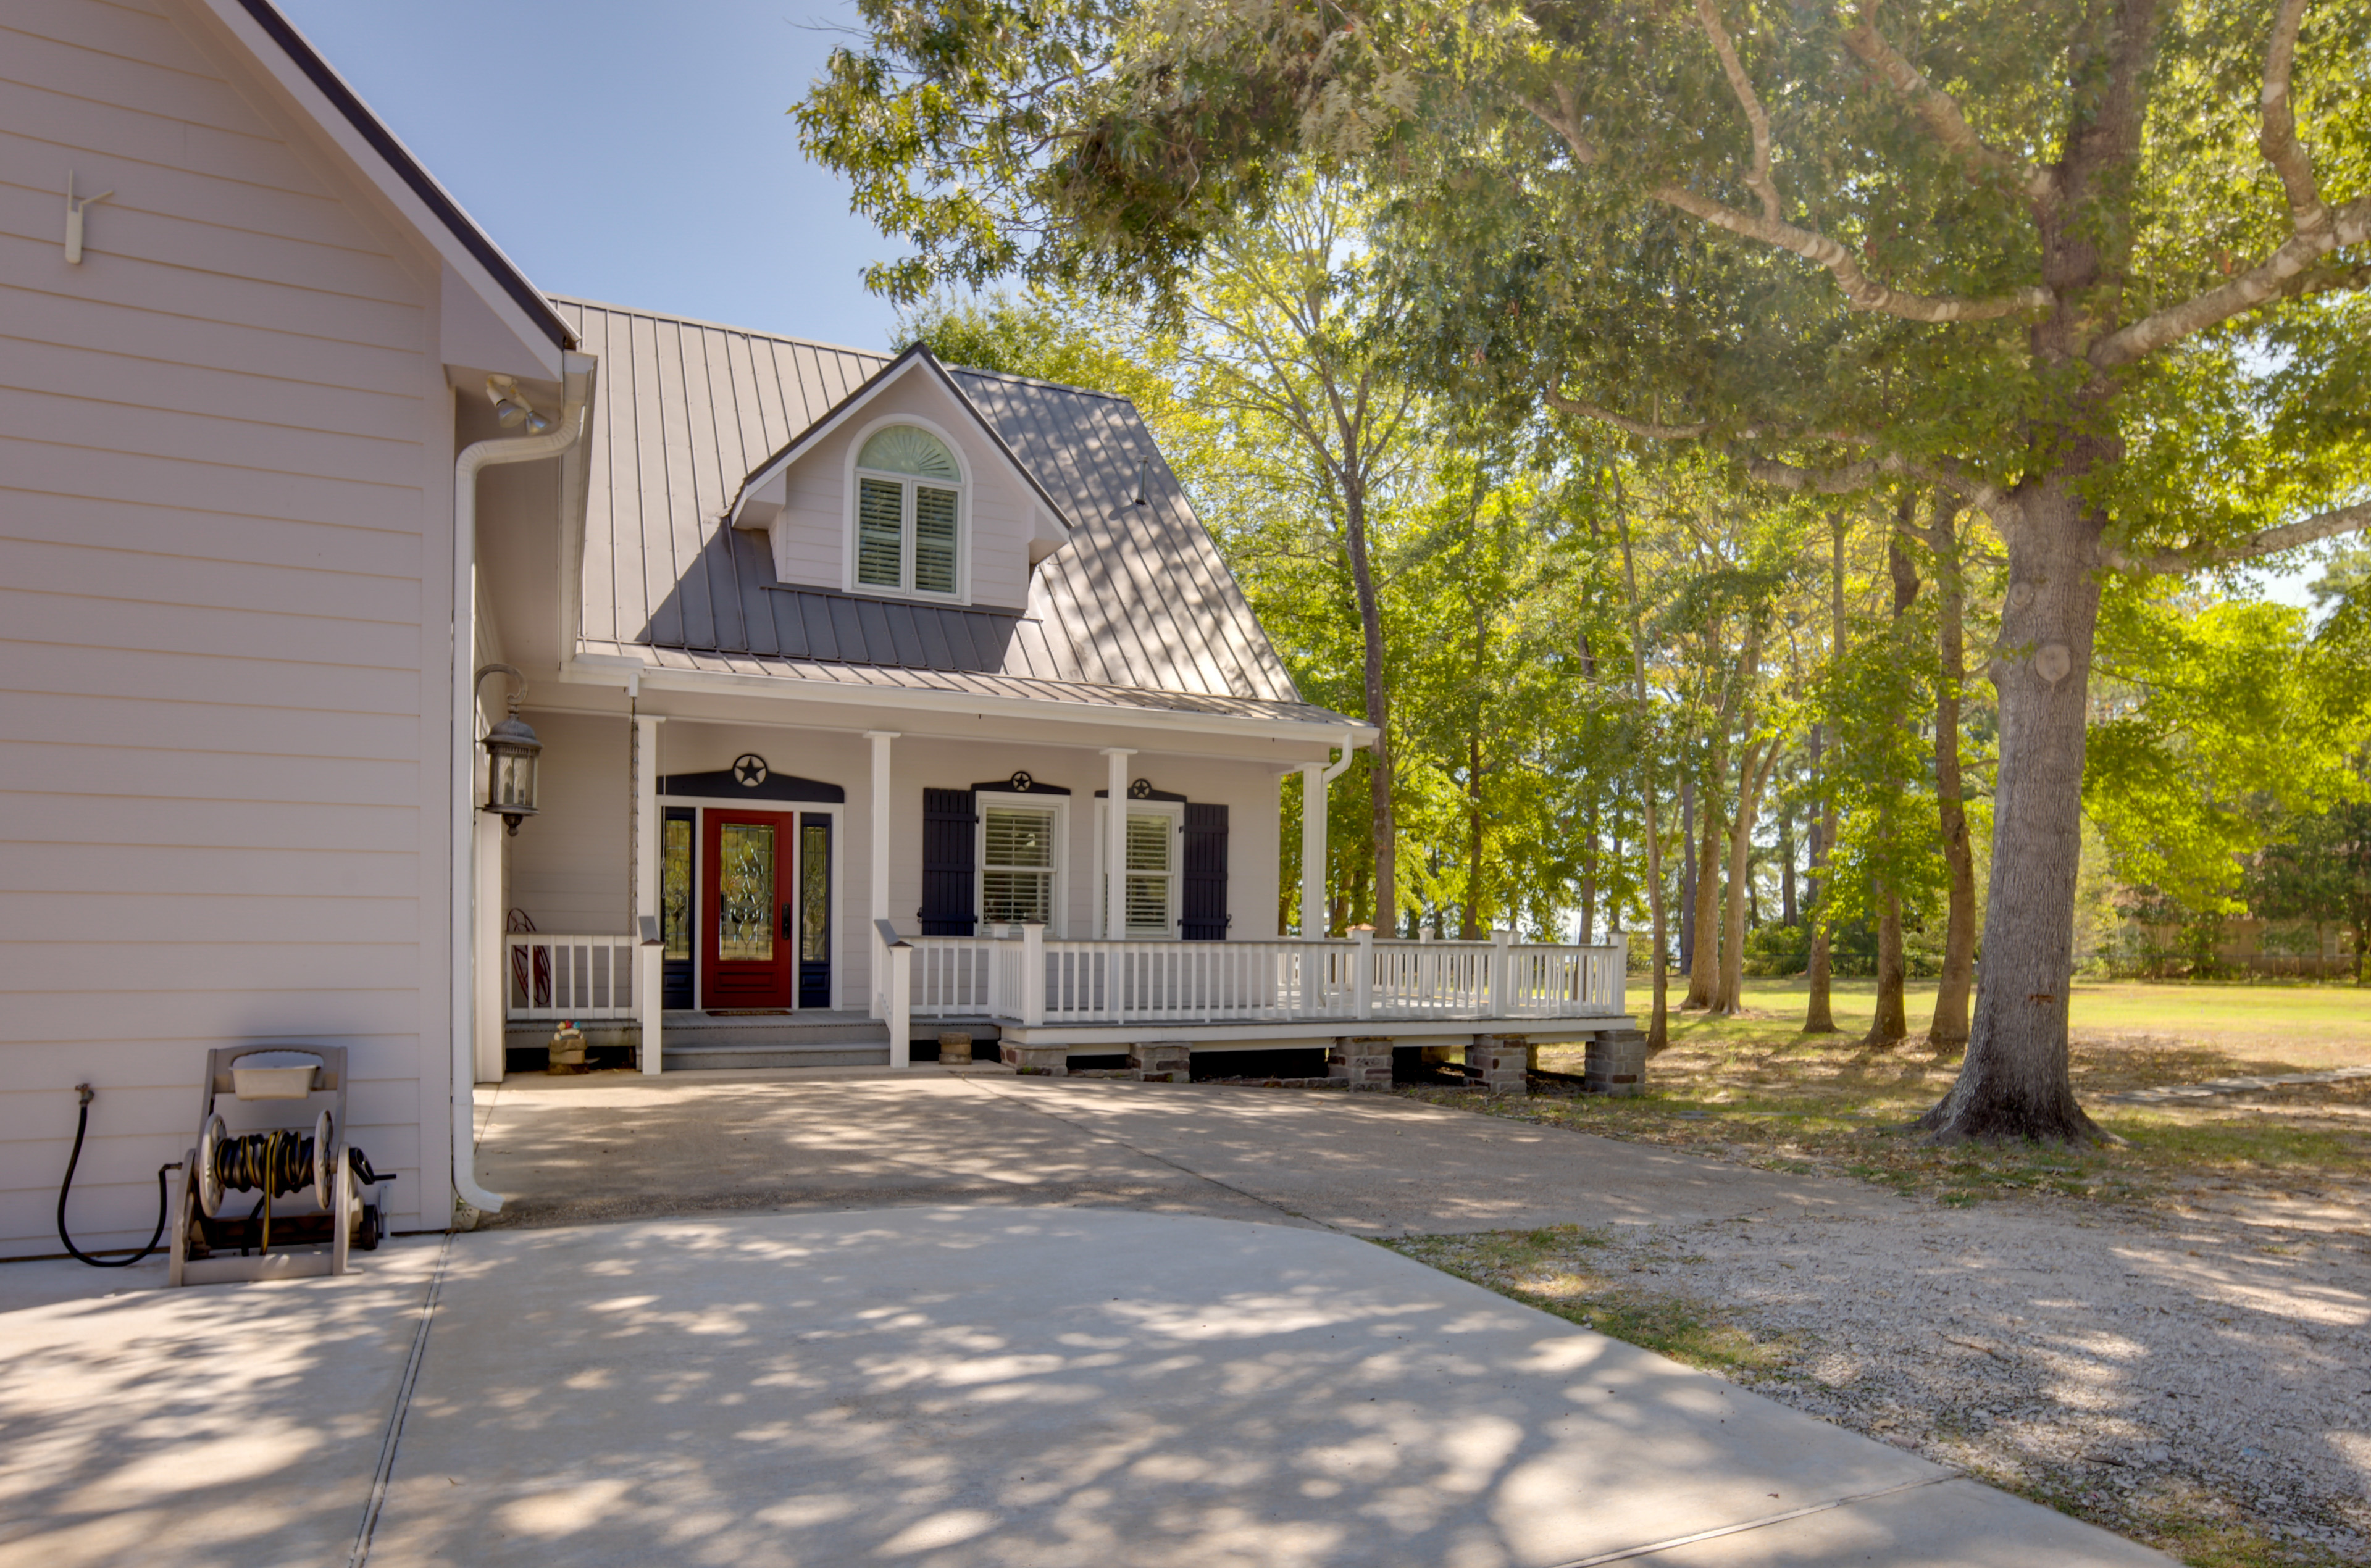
[(634, 153), (640, 154)]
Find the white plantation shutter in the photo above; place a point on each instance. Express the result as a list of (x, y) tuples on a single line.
[(1016, 879), (934, 540), (881, 533), (1150, 861)]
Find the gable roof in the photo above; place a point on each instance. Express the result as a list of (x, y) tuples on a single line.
[(391, 157), (916, 358), (1137, 607)]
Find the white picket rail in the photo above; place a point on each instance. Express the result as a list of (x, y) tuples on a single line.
[(565, 976), (1028, 980)]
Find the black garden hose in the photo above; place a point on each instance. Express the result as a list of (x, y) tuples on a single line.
[(279, 1163), (82, 1125)]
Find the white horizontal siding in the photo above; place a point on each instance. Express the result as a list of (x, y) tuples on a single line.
[(222, 443), (810, 536), (568, 866)]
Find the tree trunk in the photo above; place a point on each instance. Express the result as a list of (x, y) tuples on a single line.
[(1949, 1029), (1687, 873), (1752, 770), (1378, 768), (1818, 1012), (1890, 1025), (1658, 1024), (2014, 1082), (1703, 964), (1786, 914), (1589, 848), (1471, 928)]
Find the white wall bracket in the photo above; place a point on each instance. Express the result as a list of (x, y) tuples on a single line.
[(75, 205)]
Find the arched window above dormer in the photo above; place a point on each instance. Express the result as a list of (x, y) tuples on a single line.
[(909, 513)]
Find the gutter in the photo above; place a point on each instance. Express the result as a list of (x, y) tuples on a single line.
[(597, 669), (576, 380)]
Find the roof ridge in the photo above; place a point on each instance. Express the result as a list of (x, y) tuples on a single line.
[(1041, 381), (884, 356)]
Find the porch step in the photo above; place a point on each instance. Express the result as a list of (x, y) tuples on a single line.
[(737, 1056), (816, 1026), (837, 1038)]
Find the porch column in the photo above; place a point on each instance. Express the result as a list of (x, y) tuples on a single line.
[(1312, 849), (649, 1002), (1115, 844), (879, 833), (492, 976)]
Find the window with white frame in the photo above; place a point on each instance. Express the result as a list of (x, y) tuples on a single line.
[(1020, 855), (1148, 895), (909, 513)]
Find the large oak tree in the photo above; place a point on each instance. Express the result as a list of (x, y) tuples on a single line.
[(2089, 267)]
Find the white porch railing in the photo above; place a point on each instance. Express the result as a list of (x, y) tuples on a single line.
[(1029, 980), (567, 977)]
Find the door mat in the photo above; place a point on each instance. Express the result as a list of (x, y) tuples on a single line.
[(748, 1012)]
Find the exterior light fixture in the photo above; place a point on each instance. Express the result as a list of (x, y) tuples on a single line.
[(511, 753), (512, 408)]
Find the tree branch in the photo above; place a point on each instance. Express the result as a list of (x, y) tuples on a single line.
[(1581, 411), (2278, 140), (2271, 541), (1941, 111), (2315, 229), (2269, 278), (1758, 181), (1860, 291)]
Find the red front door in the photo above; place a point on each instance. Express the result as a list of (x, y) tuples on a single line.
[(750, 910)]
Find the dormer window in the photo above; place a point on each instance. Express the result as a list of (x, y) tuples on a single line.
[(909, 513)]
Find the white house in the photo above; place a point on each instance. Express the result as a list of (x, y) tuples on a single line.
[(851, 675)]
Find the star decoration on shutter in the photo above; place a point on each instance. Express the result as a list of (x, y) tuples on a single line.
[(749, 770)]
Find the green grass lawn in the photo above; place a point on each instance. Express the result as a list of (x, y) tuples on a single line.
[(1756, 1089), (2265, 1027)]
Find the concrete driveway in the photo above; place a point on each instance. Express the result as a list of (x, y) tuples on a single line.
[(611, 1147), (962, 1388), (1092, 1359)]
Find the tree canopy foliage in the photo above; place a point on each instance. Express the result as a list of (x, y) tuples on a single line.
[(2090, 272)]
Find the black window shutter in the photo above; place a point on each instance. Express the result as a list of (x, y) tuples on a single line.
[(948, 841), (1202, 912)]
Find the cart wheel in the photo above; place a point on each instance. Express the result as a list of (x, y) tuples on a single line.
[(366, 1234), (210, 1187)]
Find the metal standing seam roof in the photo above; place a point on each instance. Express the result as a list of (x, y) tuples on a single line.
[(1137, 611)]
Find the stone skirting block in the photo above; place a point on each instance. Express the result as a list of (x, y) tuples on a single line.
[(1162, 1061), (1359, 1064), (1617, 1063), (1498, 1065), (954, 1049), (1053, 1061)]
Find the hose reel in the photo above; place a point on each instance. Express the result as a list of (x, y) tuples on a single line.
[(332, 1181)]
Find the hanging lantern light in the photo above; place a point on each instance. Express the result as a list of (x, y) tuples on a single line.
[(512, 751)]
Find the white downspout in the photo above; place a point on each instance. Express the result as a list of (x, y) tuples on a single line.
[(576, 380), (1315, 778)]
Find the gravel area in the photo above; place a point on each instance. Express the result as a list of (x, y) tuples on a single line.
[(2169, 1373)]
